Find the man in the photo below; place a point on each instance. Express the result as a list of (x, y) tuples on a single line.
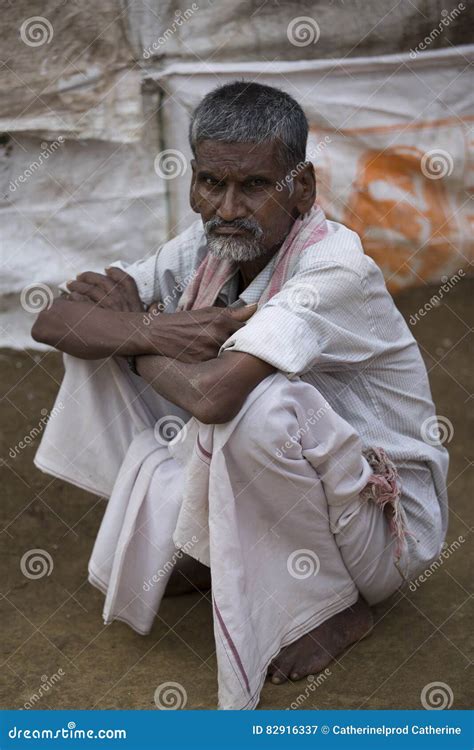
[(300, 472)]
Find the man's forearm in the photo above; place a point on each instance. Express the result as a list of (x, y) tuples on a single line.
[(91, 332), (184, 384), (212, 391)]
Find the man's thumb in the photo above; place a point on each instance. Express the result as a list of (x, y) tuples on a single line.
[(244, 313)]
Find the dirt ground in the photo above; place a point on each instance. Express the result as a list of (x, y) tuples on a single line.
[(52, 631)]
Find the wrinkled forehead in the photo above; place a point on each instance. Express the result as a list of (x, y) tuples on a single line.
[(239, 158)]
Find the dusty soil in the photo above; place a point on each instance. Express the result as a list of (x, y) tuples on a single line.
[(54, 623)]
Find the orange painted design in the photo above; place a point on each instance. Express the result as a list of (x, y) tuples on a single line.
[(403, 218), (410, 224)]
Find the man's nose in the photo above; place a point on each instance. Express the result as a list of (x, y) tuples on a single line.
[(231, 205)]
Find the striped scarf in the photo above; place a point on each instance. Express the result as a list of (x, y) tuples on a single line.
[(214, 273)]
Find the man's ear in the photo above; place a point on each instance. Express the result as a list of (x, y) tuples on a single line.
[(192, 189), (305, 189)]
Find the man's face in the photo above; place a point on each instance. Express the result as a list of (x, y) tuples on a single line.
[(234, 188)]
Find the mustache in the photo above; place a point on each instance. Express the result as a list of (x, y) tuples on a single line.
[(249, 225)]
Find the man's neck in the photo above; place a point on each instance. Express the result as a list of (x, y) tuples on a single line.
[(250, 269)]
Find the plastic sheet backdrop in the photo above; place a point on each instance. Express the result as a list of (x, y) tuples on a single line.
[(72, 205), (391, 142)]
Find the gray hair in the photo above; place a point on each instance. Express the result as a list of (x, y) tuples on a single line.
[(247, 112)]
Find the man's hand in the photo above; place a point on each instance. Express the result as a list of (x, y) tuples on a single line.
[(114, 290), (194, 335)]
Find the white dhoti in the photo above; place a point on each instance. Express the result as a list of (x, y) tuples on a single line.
[(270, 501)]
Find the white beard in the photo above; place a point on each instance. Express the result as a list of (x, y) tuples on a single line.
[(234, 248)]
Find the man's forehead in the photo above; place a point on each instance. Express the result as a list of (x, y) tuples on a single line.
[(244, 157)]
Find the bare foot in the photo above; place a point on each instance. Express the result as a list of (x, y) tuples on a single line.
[(315, 650), (188, 575)]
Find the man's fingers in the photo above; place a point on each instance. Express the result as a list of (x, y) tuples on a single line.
[(76, 297), (97, 279), (243, 313), (92, 291), (118, 275)]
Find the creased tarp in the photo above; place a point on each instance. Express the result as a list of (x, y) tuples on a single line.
[(68, 68), (381, 127), (224, 30), (84, 205)]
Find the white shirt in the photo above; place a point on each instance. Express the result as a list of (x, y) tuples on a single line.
[(335, 325)]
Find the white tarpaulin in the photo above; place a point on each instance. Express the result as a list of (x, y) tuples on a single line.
[(68, 69), (390, 140), (69, 206)]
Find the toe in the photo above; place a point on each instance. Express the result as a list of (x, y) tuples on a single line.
[(278, 677)]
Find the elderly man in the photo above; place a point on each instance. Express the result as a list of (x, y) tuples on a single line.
[(302, 472)]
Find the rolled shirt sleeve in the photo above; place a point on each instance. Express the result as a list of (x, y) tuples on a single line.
[(320, 318)]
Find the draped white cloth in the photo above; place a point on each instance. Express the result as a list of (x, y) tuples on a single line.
[(270, 501)]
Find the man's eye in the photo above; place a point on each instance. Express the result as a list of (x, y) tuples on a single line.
[(210, 181), (257, 183)]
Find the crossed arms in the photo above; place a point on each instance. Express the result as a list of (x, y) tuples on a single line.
[(177, 353)]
